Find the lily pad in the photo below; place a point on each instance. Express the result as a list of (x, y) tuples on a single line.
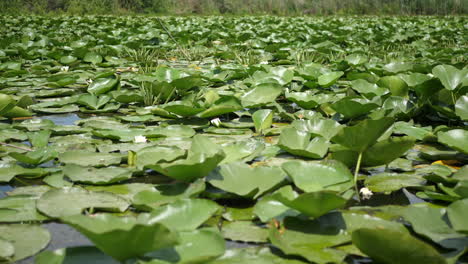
[(243, 180), (73, 200)]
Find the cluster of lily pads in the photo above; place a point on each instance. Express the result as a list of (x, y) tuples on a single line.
[(304, 140)]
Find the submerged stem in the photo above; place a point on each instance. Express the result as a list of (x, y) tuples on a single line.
[(356, 172)]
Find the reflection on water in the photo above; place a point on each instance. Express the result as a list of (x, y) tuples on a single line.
[(65, 119), (4, 189)]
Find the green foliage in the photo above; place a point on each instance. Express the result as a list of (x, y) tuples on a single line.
[(277, 7)]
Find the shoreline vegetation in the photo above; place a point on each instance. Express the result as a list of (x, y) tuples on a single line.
[(236, 7)]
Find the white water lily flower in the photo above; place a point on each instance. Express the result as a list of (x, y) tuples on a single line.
[(216, 122), (140, 139), (64, 68), (366, 193), (89, 81)]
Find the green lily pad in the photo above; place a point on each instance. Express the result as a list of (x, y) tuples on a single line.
[(457, 213), (123, 237), (262, 119), (243, 180), (27, 240), (390, 246), (155, 154), (299, 143), (74, 200), (455, 138), (261, 95), (313, 247), (363, 135), (199, 246), (103, 85), (184, 214), (35, 157), (244, 231), (90, 175), (450, 76), (314, 204), (19, 208), (87, 158), (329, 79), (202, 158), (312, 176), (85, 254), (389, 182)]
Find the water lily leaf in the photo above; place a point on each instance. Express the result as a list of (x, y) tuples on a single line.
[(368, 89), (6, 103), (259, 255), (450, 76), (67, 60), (19, 208), (166, 193), (314, 247), (17, 111), (354, 220), (199, 246), (455, 138), (87, 158), (92, 101), (36, 157), (202, 158), (262, 119), (90, 175), (6, 250), (243, 180), (123, 237), (184, 214), (429, 222), (224, 105), (363, 135), (299, 143), (395, 84), (312, 176), (314, 204), (389, 182), (8, 171), (457, 213), (327, 128), (103, 85), (461, 107), (245, 150), (261, 95), (85, 254), (269, 207), (385, 151), (93, 58), (39, 139), (244, 231), (155, 154), (329, 79), (351, 107), (390, 246), (419, 133), (396, 67), (414, 79), (182, 108), (73, 200), (27, 240), (356, 59)]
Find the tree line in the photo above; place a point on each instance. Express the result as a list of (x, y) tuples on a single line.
[(237, 7)]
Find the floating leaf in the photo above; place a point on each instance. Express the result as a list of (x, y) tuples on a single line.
[(390, 246), (74, 200), (243, 180), (123, 237)]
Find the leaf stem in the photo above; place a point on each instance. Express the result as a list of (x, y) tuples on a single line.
[(13, 146), (356, 172)]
